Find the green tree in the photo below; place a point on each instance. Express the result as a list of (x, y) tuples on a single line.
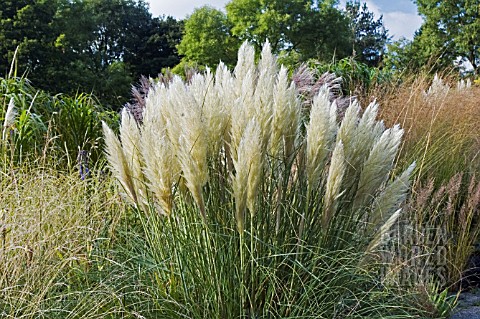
[(312, 28), (369, 35), (32, 27), (258, 20), (158, 49), (97, 46), (207, 39), (323, 34), (450, 29)]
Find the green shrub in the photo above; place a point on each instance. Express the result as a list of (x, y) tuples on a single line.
[(358, 78), (50, 127)]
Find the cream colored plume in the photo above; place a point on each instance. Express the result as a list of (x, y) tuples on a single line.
[(321, 131), (390, 198), (346, 132), (248, 172), (10, 116), (188, 130), (264, 91), (245, 63), (376, 168), (118, 163), (161, 166), (379, 236), (334, 183), (130, 138), (285, 118)]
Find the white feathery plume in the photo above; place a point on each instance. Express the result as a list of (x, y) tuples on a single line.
[(346, 132), (245, 63), (10, 116), (391, 197), (243, 109), (334, 183), (192, 148), (161, 167), (367, 132), (264, 89), (216, 113), (285, 118), (174, 108), (380, 234), (153, 105), (248, 168), (130, 138), (118, 163), (378, 165), (321, 131)]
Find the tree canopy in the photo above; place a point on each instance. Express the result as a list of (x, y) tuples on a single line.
[(98, 46), (309, 29), (207, 39), (451, 30), (369, 35)]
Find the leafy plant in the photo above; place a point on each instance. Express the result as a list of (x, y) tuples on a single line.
[(76, 125), (59, 126)]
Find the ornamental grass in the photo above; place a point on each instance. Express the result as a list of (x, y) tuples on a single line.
[(254, 204)]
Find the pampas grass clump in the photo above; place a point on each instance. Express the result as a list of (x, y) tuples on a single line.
[(254, 205)]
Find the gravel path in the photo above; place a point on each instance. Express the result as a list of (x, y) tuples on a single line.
[(468, 306)]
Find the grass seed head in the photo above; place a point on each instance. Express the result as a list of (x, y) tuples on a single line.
[(118, 163), (10, 116), (321, 131)]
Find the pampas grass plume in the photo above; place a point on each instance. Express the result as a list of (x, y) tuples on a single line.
[(391, 197), (130, 138), (248, 172), (118, 163), (320, 134), (334, 183), (10, 116), (378, 165), (286, 117)]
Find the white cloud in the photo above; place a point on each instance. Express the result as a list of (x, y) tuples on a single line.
[(402, 24), (398, 23), (179, 9)]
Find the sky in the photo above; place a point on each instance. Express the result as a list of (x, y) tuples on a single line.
[(399, 16)]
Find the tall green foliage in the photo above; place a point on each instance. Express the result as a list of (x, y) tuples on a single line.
[(31, 26), (315, 29), (455, 28), (298, 30), (46, 126)]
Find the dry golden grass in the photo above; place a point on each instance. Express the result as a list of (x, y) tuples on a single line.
[(441, 132), (50, 224), (441, 135)]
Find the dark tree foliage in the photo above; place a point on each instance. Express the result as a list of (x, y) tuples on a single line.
[(158, 50), (31, 26), (98, 46), (369, 35), (323, 34)]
